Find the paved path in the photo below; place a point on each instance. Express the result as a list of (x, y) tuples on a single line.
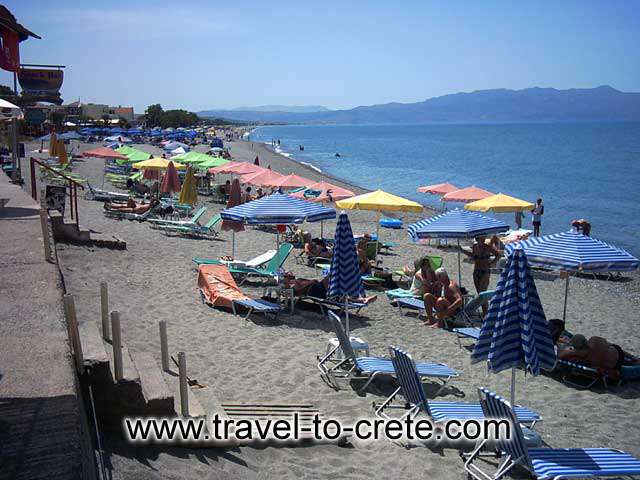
[(40, 421)]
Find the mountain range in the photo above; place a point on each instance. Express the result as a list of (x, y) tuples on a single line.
[(482, 106), (283, 108)]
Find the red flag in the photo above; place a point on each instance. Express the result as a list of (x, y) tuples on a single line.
[(10, 51)]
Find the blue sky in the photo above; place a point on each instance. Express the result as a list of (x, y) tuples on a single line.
[(209, 54)]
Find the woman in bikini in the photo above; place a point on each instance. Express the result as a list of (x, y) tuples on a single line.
[(481, 254)]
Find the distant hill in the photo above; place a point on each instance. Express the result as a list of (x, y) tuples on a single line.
[(501, 105), (282, 108)]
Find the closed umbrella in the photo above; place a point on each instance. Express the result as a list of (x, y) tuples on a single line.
[(456, 224), (256, 161), (53, 144), (235, 199), (344, 277), (469, 194), (61, 152), (573, 252), (515, 332), (171, 181), (189, 192)]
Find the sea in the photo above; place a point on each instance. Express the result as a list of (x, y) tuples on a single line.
[(581, 170)]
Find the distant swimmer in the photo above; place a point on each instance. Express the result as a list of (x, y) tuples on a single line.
[(302, 148), (337, 155)]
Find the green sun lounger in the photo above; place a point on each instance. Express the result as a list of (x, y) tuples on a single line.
[(206, 230), (192, 222), (270, 270)]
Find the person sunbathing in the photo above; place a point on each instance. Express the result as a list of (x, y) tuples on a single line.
[(317, 288), (446, 302), (132, 207), (316, 248)]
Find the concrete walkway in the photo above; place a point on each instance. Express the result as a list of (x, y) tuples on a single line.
[(41, 430)]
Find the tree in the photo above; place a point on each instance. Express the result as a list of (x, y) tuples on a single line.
[(122, 123), (154, 114), (105, 118)]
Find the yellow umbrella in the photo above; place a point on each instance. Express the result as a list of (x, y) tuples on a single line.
[(157, 163), (189, 192), (499, 203), (61, 152), (380, 201), (53, 144)]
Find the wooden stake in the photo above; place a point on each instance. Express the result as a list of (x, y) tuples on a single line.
[(117, 345), (74, 334), (104, 305), (164, 345), (184, 387)]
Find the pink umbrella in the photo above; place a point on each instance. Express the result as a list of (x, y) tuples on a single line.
[(438, 189), (328, 193), (104, 152), (469, 194), (171, 181), (263, 179), (235, 199), (292, 181)]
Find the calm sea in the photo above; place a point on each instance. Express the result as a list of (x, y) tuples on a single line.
[(587, 171)]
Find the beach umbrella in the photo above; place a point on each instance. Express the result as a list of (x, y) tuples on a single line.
[(178, 151), (469, 194), (515, 332), (264, 178), (499, 203), (292, 181), (438, 188), (345, 280), (61, 152), (157, 163), (456, 224), (133, 154), (256, 161), (53, 144), (171, 181), (238, 168), (235, 199), (379, 201), (104, 152), (573, 252), (189, 192)]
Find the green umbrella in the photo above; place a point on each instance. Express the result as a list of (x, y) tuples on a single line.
[(211, 163)]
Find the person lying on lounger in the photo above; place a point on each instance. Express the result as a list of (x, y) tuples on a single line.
[(446, 302), (316, 248), (132, 207), (316, 288)]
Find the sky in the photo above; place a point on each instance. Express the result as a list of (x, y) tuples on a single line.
[(201, 55)]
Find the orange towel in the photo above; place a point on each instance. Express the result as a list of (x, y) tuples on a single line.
[(218, 286)]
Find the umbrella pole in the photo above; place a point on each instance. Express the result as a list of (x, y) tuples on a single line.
[(377, 233), (346, 312), (322, 229), (566, 296), (513, 386), (233, 244), (459, 266)]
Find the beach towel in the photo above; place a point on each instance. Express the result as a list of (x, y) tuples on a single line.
[(218, 287)]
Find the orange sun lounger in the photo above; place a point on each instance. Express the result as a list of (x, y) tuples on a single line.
[(219, 289)]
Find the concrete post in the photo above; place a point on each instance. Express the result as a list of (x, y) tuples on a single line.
[(104, 306), (164, 345), (74, 334), (117, 345), (184, 386)]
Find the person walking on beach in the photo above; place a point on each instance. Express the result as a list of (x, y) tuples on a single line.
[(481, 254), (537, 212)]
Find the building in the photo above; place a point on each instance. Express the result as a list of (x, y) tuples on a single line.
[(95, 111), (124, 112)]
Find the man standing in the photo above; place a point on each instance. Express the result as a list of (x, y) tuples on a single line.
[(537, 213)]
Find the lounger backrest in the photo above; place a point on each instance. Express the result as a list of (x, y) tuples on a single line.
[(278, 260), (494, 406), (261, 259), (198, 214), (476, 302), (345, 344), (213, 221), (409, 379)]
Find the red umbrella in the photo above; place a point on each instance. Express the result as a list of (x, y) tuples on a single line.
[(469, 194), (171, 181), (104, 152), (256, 161), (235, 199), (151, 174), (438, 189), (265, 178), (292, 181), (328, 193)]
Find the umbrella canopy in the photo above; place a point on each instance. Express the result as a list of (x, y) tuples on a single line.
[(71, 136), (237, 168), (133, 154), (469, 194), (345, 280), (235, 199), (574, 252), (178, 151), (103, 152), (173, 145), (157, 163), (499, 203), (189, 192), (438, 188), (212, 162), (9, 110), (378, 201), (278, 209), (457, 224), (515, 332), (171, 181), (328, 192), (264, 178), (292, 181)]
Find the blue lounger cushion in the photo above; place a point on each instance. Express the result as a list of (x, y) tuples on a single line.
[(582, 462), (259, 305), (411, 302), (471, 332), (441, 411), (391, 223), (385, 365)]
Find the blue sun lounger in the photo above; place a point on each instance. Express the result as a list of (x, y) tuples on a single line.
[(416, 400), (546, 463), (368, 368), (257, 306)]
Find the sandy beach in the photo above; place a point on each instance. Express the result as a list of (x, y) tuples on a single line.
[(248, 361)]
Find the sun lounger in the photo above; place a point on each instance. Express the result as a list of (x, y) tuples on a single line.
[(192, 222), (105, 196), (416, 400), (327, 304), (396, 293), (255, 262), (543, 463), (219, 289), (206, 230), (368, 368), (139, 217), (271, 269)]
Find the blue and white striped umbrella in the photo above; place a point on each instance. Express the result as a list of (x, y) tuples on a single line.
[(456, 224), (515, 332), (574, 252), (278, 209), (345, 280)]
